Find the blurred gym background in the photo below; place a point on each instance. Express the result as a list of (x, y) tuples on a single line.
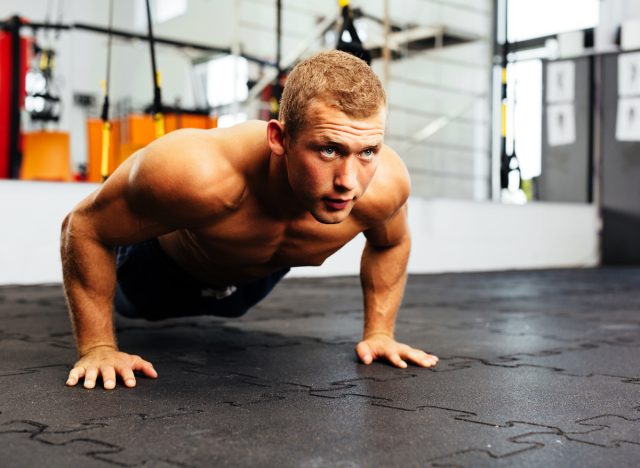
[(519, 120)]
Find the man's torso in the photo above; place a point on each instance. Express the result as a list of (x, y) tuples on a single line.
[(253, 240)]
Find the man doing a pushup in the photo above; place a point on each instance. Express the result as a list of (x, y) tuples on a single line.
[(206, 222)]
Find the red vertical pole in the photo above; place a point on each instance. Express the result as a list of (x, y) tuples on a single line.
[(14, 61), (5, 102)]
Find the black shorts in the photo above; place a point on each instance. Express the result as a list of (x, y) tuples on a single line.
[(152, 286)]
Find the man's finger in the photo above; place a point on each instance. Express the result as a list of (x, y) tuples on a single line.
[(397, 361), (364, 353), (428, 362), (421, 358), (90, 377), (127, 377), (146, 367), (74, 375), (108, 377)]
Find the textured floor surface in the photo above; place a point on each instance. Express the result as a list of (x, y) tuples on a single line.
[(536, 369)]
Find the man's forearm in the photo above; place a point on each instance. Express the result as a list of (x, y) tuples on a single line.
[(89, 283), (383, 274)]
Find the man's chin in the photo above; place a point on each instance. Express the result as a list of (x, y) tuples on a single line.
[(330, 218)]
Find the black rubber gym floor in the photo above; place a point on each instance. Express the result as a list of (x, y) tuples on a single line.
[(536, 368)]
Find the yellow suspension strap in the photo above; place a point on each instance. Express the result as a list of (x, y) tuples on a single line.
[(158, 116), (156, 109), (106, 123)]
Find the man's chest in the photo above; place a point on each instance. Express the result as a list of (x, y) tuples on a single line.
[(253, 239)]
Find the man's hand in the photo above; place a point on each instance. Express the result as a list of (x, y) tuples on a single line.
[(379, 345), (107, 361)]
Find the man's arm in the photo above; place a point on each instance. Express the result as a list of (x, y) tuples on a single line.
[(162, 188), (89, 234), (383, 274)]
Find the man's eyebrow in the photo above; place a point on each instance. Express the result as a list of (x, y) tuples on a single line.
[(344, 148), (330, 142), (336, 143)]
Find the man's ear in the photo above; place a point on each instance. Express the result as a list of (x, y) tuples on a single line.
[(275, 136)]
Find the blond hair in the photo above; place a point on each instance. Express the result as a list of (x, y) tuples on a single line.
[(335, 78)]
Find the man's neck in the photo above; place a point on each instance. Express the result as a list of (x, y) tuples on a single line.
[(282, 202)]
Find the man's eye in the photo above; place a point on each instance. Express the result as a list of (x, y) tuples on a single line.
[(329, 151), (368, 153)]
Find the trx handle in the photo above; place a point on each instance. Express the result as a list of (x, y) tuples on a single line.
[(158, 121), (106, 146), (106, 135), (156, 109), (158, 116)]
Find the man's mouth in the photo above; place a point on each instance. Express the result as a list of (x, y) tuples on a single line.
[(336, 204)]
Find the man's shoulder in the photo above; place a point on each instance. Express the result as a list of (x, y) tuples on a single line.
[(205, 153), (388, 191), (199, 170)]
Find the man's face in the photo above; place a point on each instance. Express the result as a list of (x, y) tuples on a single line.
[(333, 159)]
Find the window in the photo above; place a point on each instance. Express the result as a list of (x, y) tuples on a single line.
[(536, 18), (227, 80), (161, 11), (525, 116), (169, 9)]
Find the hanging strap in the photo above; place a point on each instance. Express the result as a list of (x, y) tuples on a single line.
[(157, 95), (106, 123), (354, 47)]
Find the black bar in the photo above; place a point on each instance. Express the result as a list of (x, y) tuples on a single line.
[(492, 98), (15, 155), (539, 42), (279, 37), (142, 37), (494, 29), (591, 142)]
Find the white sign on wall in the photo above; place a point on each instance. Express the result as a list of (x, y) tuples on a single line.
[(561, 124), (629, 74), (628, 115), (560, 90), (628, 119), (561, 81)]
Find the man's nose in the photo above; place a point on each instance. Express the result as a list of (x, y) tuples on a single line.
[(346, 178)]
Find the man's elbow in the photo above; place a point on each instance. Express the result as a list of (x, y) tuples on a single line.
[(401, 244)]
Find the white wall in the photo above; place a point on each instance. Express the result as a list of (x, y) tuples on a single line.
[(447, 235), (32, 213)]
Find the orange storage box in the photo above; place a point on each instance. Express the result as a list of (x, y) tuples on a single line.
[(46, 156)]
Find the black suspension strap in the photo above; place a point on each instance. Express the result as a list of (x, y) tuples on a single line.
[(156, 109), (354, 47)]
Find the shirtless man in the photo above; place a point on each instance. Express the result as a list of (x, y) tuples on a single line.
[(208, 221)]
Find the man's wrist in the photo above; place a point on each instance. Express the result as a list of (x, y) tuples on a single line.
[(368, 334), (82, 351)]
